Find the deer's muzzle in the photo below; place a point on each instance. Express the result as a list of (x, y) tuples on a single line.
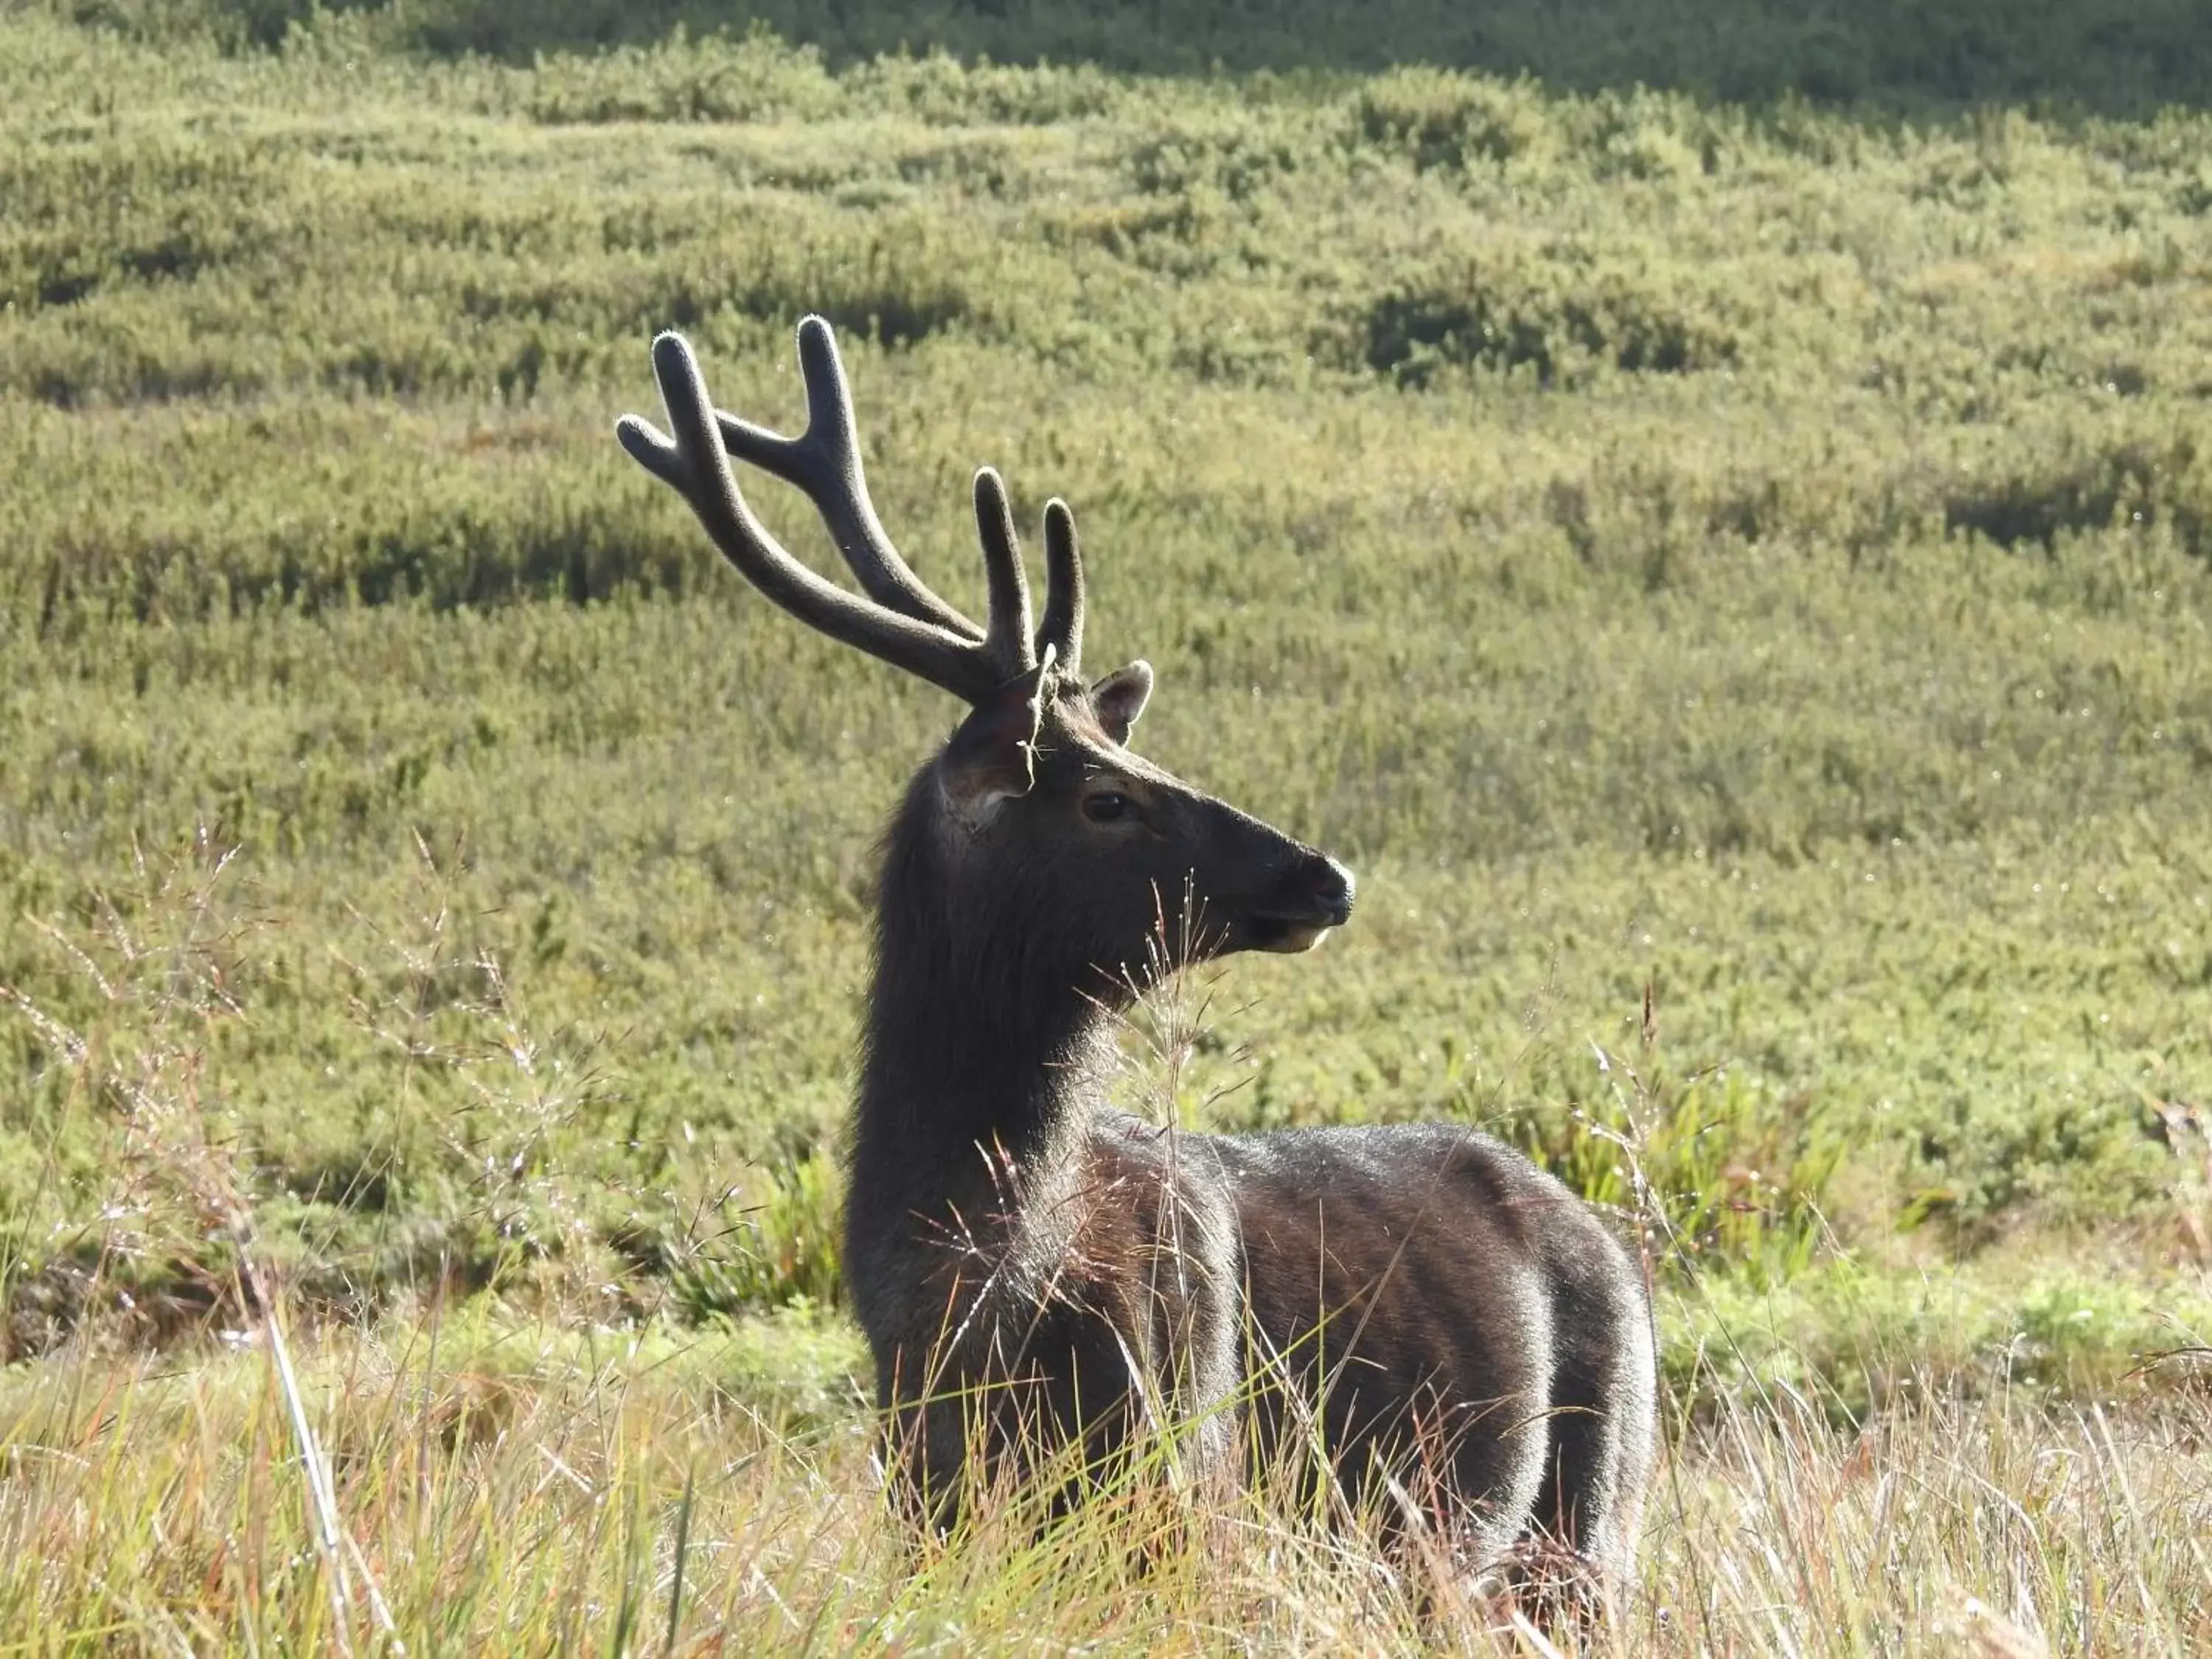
[(1314, 897)]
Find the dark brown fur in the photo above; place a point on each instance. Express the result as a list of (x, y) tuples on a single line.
[(1460, 1336), (1463, 1322)]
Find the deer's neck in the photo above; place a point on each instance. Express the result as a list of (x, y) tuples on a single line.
[(963, 1058), (979, 1043)]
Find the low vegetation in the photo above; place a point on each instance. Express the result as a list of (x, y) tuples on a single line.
[(1732, 580), (2116, 56), (524, 1489)]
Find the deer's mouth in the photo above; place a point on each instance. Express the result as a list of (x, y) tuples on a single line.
[(1288, 934), (1284, 938)]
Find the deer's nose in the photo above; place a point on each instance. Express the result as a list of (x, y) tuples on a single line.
[(1328, 884)]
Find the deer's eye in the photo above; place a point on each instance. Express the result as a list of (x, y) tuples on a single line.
[(1105, 806)]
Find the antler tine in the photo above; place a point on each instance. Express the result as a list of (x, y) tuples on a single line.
[(1008, 641), (697, 466), (824, 461), (1061, 630)]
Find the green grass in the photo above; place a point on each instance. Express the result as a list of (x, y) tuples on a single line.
[(1752, 554)]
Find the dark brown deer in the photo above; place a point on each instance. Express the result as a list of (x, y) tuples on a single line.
[(1448, 1322)]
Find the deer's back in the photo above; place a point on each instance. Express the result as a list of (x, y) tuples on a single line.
[(1456, 1316)]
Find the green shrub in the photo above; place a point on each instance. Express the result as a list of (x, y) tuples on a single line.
[(754, 78), (1557, 310), (1448, 120)]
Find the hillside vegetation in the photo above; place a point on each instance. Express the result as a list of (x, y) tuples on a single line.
[(2119, 57), (1733, 581), (1754, 554)]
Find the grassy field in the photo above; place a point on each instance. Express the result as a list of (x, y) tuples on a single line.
[(1759, 555), (533, 1491)]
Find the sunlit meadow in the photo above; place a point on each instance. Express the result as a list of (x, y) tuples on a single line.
[(1732, 579)]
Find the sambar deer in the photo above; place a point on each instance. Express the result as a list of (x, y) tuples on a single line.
[(1447, 1322)]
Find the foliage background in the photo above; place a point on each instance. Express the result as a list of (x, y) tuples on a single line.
[(1749, 546), (2116, 57), (1759, 552)]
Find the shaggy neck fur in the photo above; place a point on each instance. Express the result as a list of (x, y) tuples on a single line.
[(980, 1033)]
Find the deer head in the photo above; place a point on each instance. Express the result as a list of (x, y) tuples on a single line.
[(1052, 846)]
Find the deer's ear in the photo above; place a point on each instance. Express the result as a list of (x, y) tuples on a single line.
[(991, 757), (1122, 697)]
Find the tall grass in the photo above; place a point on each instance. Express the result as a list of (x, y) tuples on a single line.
[(519, 1489)]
